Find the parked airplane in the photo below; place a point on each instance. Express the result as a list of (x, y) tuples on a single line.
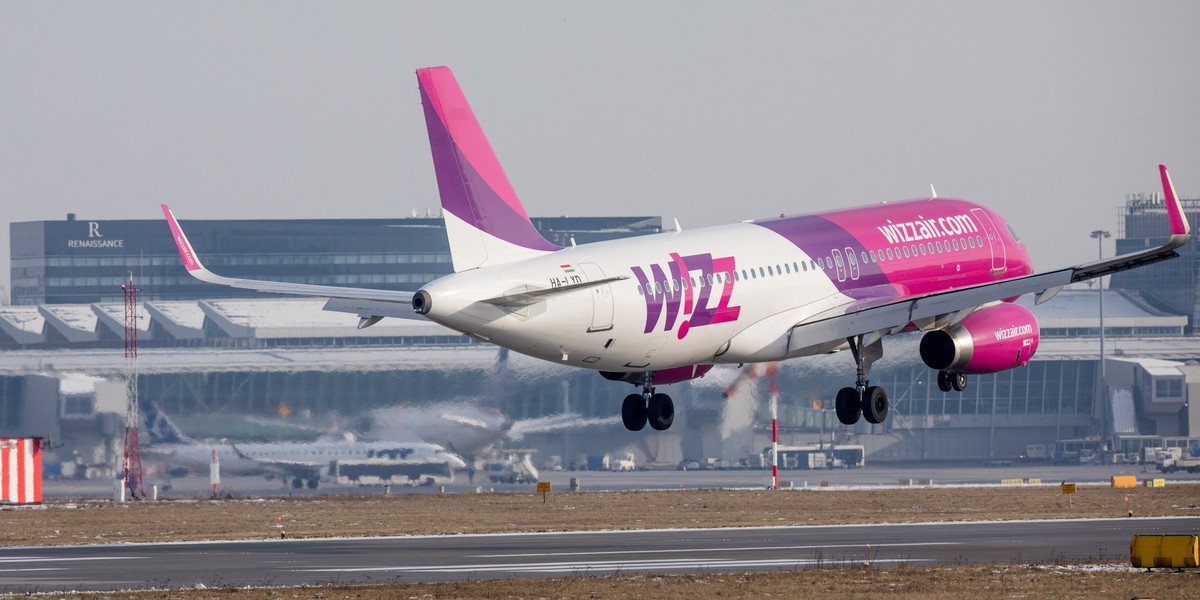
[(344, 461), (665, 308)]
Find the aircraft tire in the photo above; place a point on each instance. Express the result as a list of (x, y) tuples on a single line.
[(875, 405), (848, 405), (312, 484), (633, 412), (959, 381), (945, 381), (297, 483), (661, 412)]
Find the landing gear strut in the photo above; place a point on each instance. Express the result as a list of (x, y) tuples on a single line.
[(868, 400), (648, 407)]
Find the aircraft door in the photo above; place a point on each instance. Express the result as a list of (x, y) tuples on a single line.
[(602, 300), (994, 241), (853, 260), (840, 264)]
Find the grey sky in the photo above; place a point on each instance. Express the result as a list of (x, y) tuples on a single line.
[(710, 112)]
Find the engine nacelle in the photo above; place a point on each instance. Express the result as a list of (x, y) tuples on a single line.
[(663, 377), (990, 340)]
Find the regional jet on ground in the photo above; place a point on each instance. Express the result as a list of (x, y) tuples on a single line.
[(665, 308), (343, 461)]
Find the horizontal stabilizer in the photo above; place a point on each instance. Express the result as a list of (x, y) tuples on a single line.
[(196, 269), (531, 296)]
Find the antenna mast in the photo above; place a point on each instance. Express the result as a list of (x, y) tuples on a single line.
[(132, 463)]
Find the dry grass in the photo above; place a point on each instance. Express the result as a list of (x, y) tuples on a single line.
[(980, 582), (94, 521)]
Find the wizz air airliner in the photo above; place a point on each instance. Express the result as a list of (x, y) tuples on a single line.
[(665, 308)]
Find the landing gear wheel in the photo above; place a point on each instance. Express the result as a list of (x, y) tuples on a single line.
[(959, 381), (945, 381), (298, 483), (312, 484), (848, 405), (660, 412), (633, 412), (875, 405)]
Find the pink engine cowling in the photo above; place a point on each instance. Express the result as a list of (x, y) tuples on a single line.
[(992, 339)]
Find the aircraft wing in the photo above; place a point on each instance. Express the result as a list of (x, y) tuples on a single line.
[(365, 302), (872, 319)]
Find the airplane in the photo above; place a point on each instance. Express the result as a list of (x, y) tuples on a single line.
[(473, 427), (660, 309), (307, 463)]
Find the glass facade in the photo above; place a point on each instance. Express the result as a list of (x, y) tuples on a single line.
[(77, 261)]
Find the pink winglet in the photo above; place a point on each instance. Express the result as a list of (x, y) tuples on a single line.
[(1179, 224), (190, 262)]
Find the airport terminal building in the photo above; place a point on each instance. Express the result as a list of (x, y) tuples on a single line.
[(212, 354)]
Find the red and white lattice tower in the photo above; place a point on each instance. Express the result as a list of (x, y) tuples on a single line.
[(131, 466)]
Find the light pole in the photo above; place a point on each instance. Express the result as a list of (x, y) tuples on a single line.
[(1100, 235)]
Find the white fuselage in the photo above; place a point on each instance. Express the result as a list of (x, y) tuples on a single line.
[(608, 327)]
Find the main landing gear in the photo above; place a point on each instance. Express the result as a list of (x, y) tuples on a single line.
[(870, 401), (647, 407), (952, 381)]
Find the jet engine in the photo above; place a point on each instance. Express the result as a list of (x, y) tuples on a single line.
[(990, 340)]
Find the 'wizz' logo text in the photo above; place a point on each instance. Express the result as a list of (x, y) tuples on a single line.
[(669, 292)]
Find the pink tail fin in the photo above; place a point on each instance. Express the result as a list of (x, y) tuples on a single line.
[(484, 218)]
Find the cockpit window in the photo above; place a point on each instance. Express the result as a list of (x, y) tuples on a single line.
[(1013, 232)]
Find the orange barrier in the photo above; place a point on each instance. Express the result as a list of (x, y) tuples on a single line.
[(1124, 481)]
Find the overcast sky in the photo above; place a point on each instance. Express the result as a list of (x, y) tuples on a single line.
[(709, 112)]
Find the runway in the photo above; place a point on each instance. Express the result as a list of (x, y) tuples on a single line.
[(448, 558)]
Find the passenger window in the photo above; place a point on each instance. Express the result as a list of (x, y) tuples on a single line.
[(796, 267), (864, 255), (872, 256), (761, 273), (838, 260), (753, 275), (971, 241), (657, 287), (744, 274), (787, 268), (906, 254), (770, 271), (922, 247), (979, 240), (804, 265), (821, 263), (939, 247), (640, 293), (710, 280)]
